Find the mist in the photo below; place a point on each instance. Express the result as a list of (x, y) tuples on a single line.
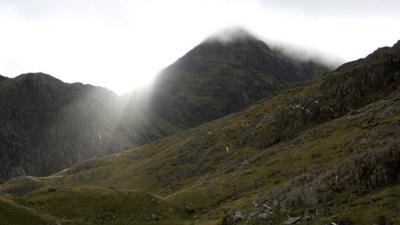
[(123, 44), (290, 50)]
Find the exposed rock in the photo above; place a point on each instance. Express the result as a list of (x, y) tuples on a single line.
[(292, 220), (238, 216), (341, 222), (365, 171), (155, 217), (265, 216)]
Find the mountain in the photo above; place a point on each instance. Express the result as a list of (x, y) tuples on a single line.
[(47, 125), (220, 76), (325, 151)]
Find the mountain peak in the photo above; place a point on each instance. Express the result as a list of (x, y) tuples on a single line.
[(38, 78), (232, 34), (38, 75), (224, 74), (38, 83)]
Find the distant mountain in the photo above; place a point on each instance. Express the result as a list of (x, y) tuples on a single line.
[(220, 76), (325, 151), (47, 125)]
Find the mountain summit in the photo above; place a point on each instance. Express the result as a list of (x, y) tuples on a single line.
[(232, 34), (222, 75)]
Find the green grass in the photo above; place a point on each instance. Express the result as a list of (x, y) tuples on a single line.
[(97, 205), (13, 214)]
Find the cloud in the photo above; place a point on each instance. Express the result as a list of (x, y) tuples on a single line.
[(122, 44), (350, 8)]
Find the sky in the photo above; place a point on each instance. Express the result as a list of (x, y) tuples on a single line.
[(123, 44)]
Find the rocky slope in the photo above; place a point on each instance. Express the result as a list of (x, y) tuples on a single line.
[(47, 125), (325, 151)]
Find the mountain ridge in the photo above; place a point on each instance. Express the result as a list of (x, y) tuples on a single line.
[(48, 125), (320, 152), (224, 87)]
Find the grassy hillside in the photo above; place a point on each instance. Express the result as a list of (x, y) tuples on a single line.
[(89, 205), (12, 213), (326, 150)]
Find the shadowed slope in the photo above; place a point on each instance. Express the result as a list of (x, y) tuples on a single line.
[(48, 125)]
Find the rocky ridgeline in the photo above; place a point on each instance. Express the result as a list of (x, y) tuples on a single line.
[(341, 94), (348, 88)]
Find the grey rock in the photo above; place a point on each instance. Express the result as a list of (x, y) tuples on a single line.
[(155, 216), (238, 216), (265, 216), (292, 220)]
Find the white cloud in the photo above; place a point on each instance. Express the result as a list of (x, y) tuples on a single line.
[(121, 44)]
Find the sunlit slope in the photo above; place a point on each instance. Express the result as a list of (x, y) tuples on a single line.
[(326, 150)]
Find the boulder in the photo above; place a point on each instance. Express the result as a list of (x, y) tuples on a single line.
[(292, 220)]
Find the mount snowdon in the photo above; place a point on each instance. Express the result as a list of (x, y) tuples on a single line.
[(322, 152), (47, 125), (219, 77)]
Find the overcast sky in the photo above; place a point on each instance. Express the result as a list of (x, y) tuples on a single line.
[(122, 44)]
